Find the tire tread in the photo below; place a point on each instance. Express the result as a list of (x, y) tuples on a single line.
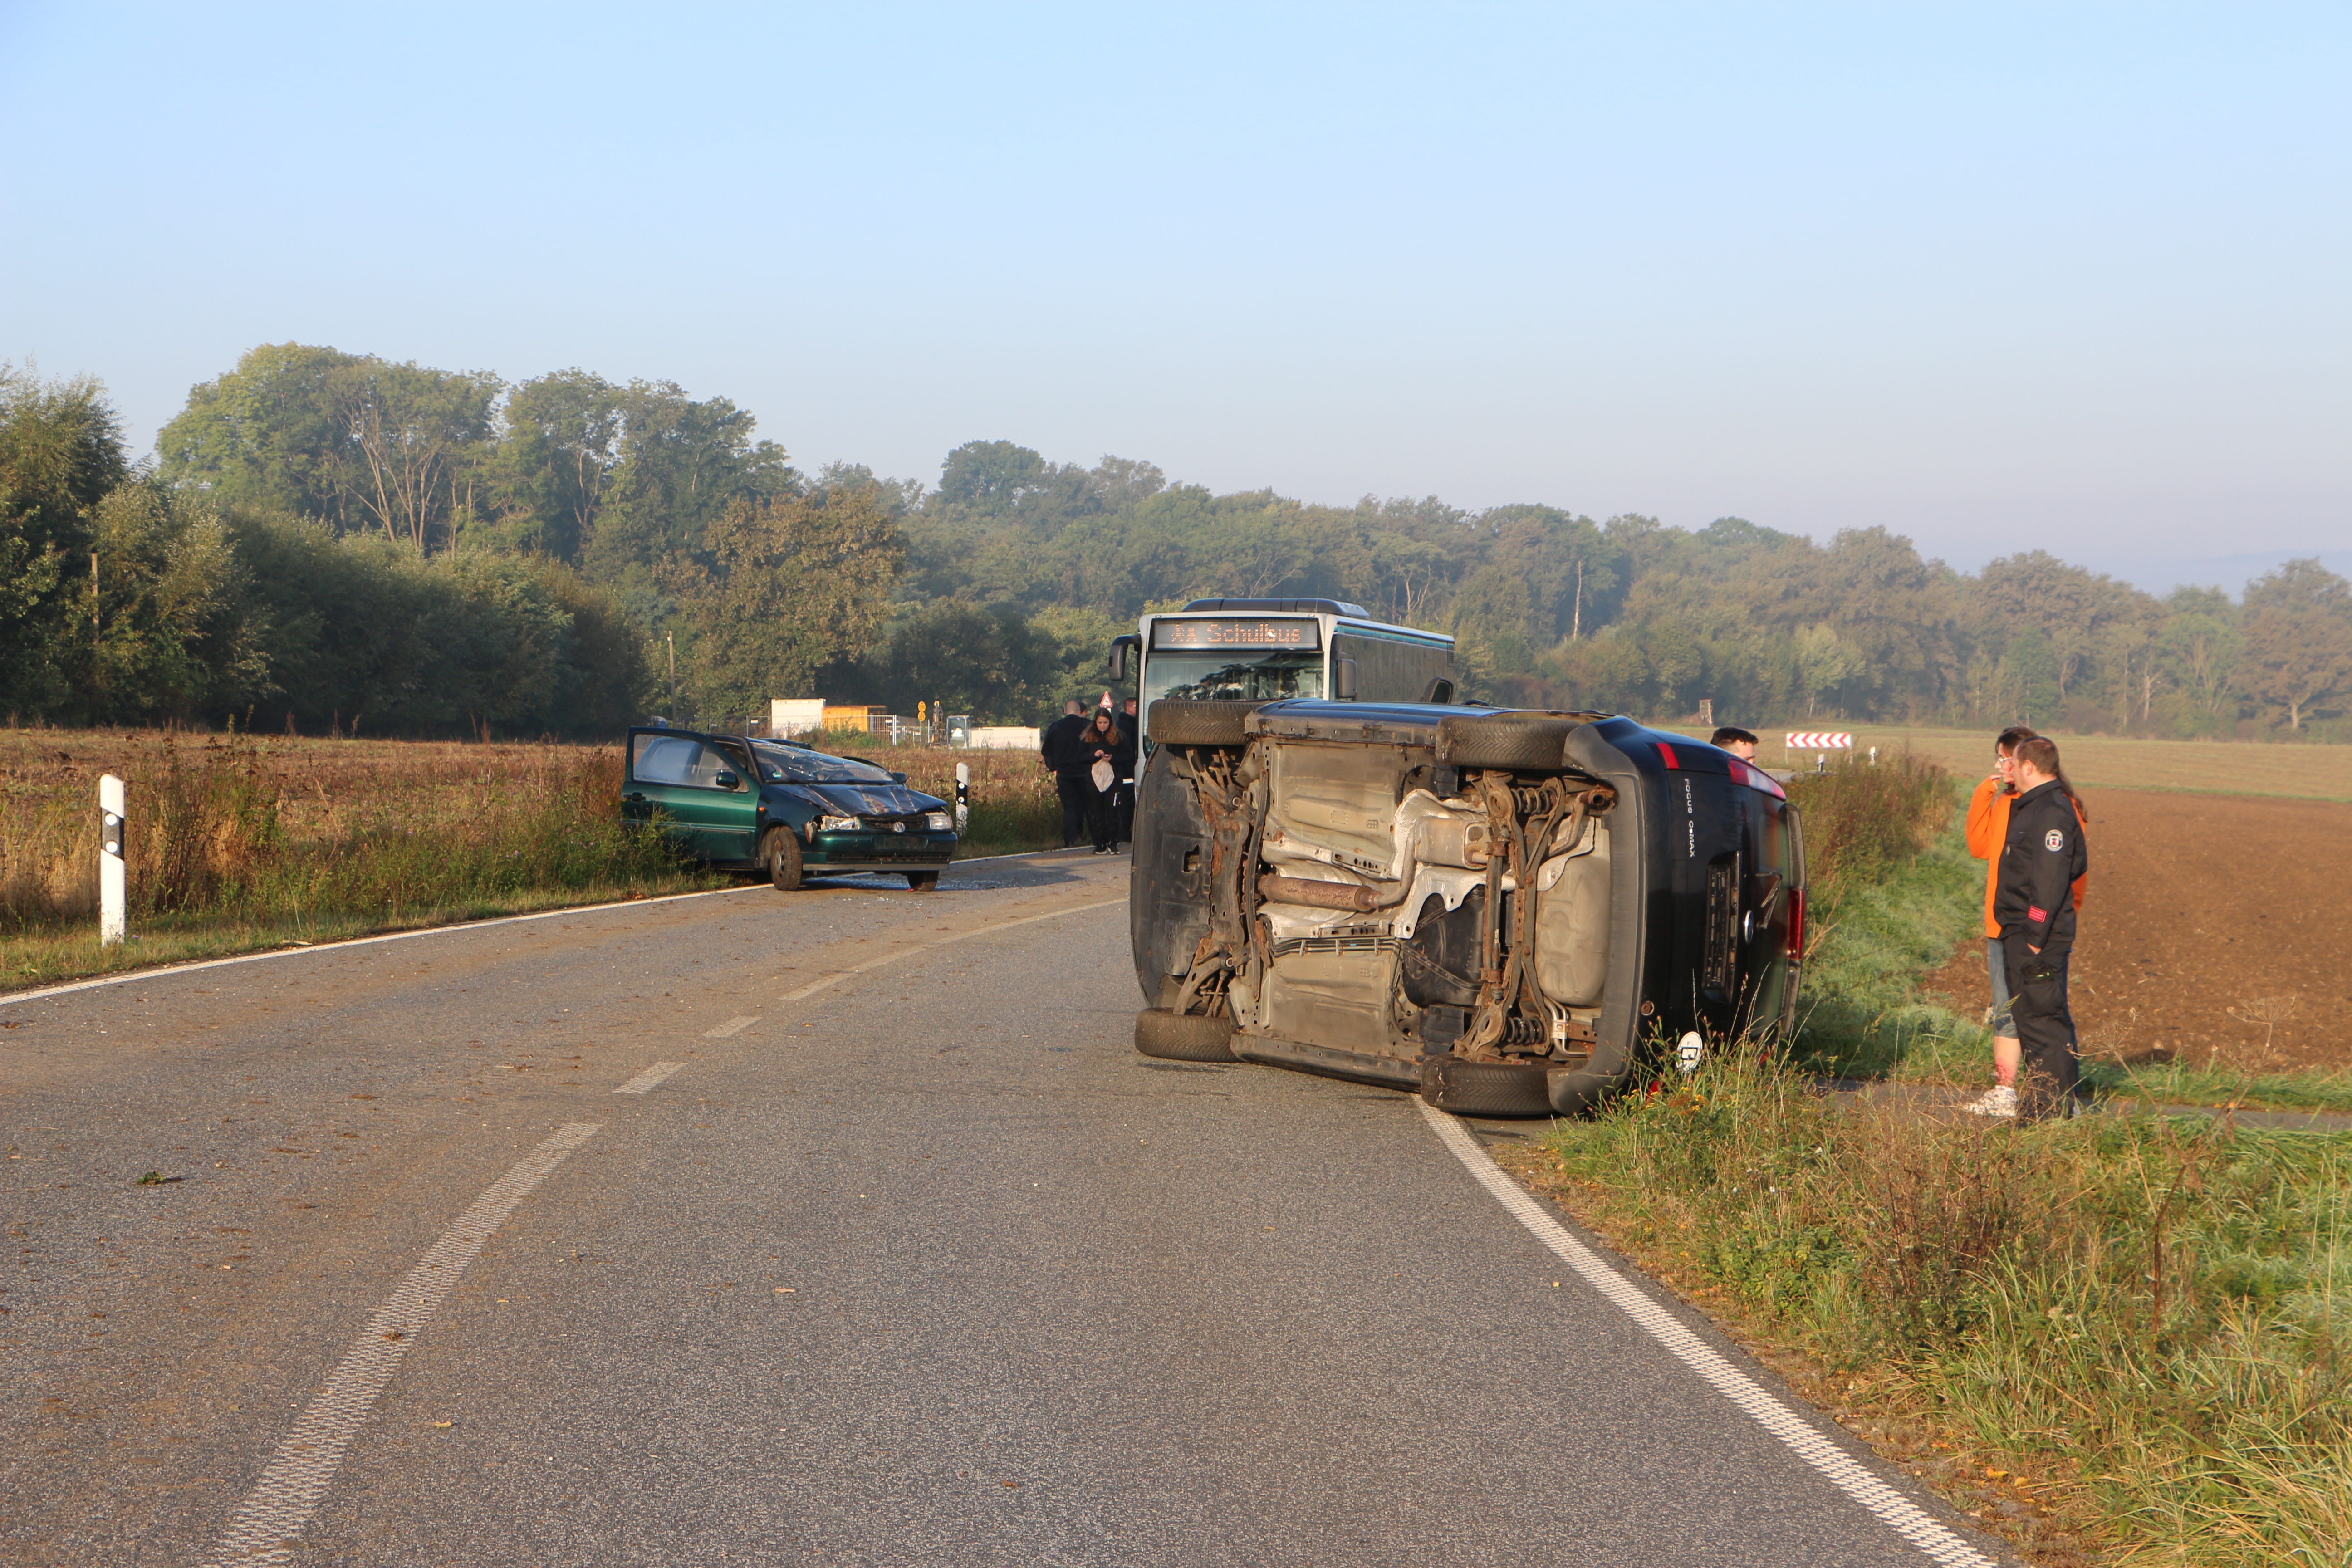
[(1183, 1037)]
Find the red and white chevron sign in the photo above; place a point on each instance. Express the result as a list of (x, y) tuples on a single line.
[(1820, 741)]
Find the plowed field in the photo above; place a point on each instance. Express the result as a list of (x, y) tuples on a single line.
[(2216, 930)]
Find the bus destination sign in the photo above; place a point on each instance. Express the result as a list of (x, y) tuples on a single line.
[(1235, 632)]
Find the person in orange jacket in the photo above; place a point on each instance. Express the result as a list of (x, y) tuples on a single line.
[(1988, 830)]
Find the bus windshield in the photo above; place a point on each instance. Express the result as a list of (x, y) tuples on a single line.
[(1219, 676)]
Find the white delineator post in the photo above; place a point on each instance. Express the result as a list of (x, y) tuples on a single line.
[(112, 883), (963, 797)]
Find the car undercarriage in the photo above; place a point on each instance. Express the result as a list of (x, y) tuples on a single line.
[(1485, 906)]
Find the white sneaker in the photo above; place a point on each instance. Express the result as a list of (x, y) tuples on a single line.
[(1999, 1100)]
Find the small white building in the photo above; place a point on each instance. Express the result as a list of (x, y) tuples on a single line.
[(1004, 737), (796, 715)]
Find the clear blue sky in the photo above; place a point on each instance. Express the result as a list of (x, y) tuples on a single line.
[(1995, 277)]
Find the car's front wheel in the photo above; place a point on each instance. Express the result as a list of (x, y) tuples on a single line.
[(781, 852), (922, 881)]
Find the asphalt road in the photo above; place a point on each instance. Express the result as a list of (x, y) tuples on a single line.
[(908, 1263)]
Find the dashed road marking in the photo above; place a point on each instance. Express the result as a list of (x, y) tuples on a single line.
[(731, 1027), (287, 1493), (855, 970), (649, 1080), (1802, 1436)]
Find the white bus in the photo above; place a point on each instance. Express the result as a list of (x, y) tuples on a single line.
[(1261, 650)]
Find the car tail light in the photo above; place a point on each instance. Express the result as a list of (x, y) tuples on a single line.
[(1796, 924), (1666, 755), (1755, 778)]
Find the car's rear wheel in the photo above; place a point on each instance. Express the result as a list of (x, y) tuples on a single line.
[(1484, 1089), (922, 881), (1186, 722), (1183, 1037), (1529, 742), (781, 852)]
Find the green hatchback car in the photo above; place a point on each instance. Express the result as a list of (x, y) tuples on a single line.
[(784, 810)]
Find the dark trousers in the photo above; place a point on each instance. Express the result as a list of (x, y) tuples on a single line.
[(2045, 1029), (1077, 790), (1102, 814), (1124, 832)]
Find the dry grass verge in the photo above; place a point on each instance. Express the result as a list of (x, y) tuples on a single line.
[(236, 844), (2119, 1339), (1866, 819), (240, 843)]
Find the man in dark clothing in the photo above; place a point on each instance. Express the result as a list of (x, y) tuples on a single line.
[(1069, 764), (1126, 807), (2034, 903)]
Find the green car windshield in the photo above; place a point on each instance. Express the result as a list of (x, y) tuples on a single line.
[(798, 764)]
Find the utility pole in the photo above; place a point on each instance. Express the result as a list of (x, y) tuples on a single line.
[(1576, 622), (671, 639)]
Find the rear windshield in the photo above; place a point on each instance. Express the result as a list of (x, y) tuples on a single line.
[(798, 764)]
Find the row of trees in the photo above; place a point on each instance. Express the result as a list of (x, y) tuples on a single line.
[(1779, 627), (327, 534), (123, 599)]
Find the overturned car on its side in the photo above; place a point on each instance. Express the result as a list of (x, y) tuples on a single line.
[(1513, 911)]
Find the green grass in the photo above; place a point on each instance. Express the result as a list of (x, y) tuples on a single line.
[(2150, 1319)]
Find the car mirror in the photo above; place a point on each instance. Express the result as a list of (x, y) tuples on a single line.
[(1343, 679), (898, 778), (727, 780)]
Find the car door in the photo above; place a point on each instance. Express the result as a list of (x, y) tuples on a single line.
[(704, 793)]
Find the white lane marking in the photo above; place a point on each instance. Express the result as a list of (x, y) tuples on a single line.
[(1802, 1436), (308, 949), (731, 1027), (838, 975), (287, 1493), (650, 1079), (163, 969)]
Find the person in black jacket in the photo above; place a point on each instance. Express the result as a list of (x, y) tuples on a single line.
[(1102, 743), (2034, 903), (1124, 832), (1059, 747)]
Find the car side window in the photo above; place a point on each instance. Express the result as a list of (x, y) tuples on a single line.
[(674, 760), (735, 759)]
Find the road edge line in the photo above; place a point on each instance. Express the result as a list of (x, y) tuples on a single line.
[(128, 975), (288, 1492), (1799, 1436)]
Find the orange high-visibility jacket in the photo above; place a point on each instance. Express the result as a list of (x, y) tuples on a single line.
[(1988, 829)]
